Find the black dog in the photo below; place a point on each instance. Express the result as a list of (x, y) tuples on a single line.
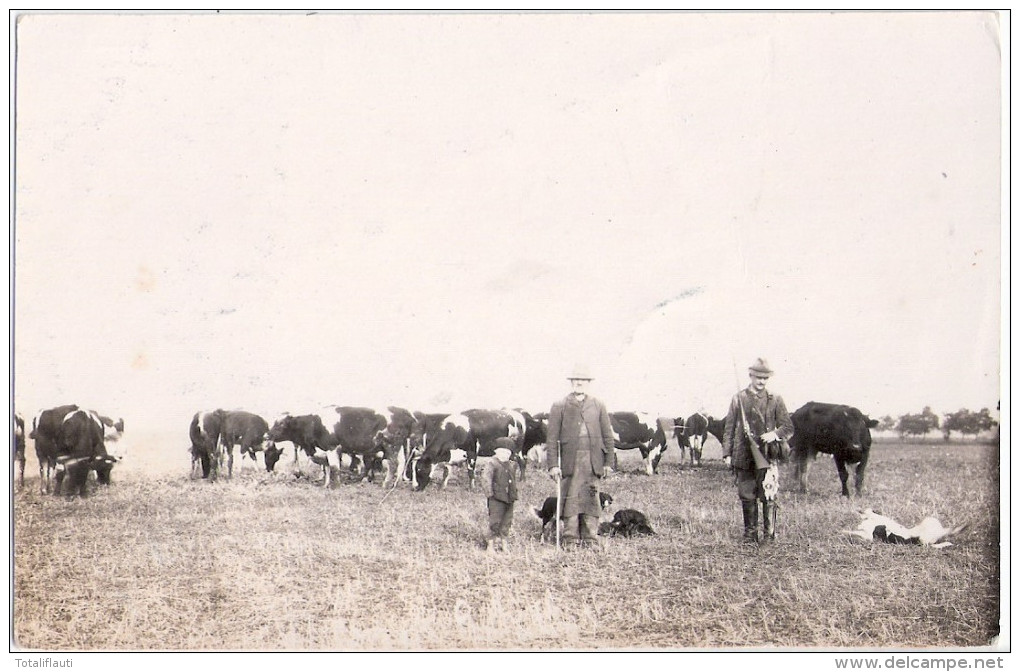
[(627, 522), (547, 512)]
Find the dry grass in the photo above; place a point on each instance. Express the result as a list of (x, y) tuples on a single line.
[(269, 562)]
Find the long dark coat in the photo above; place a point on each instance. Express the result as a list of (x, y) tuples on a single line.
[(565, 420)]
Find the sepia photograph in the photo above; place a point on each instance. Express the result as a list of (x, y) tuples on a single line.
[(530, 332)]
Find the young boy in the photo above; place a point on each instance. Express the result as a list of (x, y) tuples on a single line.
[(500, 486)]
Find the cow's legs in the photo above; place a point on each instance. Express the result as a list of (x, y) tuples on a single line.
[(446, 476), (843, 476), (859, 476), (803, 464), (696, 445)]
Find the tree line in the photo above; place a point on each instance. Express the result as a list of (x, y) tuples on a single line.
[(963, 422)]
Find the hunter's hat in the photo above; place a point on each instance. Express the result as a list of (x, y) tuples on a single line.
[(760, 367), (580, 372)]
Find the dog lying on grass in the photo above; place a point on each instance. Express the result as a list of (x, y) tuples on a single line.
[(626, 523), (929, 532), (547, 512)]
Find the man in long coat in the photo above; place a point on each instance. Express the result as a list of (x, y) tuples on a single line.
[(759, 416), (580, 452)]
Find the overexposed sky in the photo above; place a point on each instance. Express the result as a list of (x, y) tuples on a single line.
[(275, 212)]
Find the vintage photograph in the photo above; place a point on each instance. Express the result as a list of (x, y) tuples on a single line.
[(505, 332)]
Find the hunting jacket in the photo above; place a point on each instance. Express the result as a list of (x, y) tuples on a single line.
[(765, 412), (564, 433)]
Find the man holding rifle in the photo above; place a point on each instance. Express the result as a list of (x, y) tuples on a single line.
[(580, 453), (758, 427)]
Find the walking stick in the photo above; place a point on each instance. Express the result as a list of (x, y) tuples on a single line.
[(559, 494)]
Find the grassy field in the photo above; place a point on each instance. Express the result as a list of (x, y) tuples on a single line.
[(159, 561)]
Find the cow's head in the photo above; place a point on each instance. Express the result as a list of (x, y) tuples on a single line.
[(280, 429), (421, 472), (855, 428), (271, 452)]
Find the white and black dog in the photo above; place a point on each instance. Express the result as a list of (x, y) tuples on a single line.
[(929, 532)]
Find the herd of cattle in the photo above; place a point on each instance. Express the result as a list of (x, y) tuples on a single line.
[(71, 442)]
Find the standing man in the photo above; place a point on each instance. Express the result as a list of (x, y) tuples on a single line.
[(757, 429), (581, 450)]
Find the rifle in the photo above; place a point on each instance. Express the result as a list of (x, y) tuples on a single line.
[(771, 481)]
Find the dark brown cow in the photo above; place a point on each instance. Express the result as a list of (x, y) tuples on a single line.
[(836, 429)]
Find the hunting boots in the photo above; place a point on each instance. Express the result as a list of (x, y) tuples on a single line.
[(768, 511), (750, 521)]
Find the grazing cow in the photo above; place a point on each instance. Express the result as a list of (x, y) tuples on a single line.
[(547, 512), (19, 448), (46, 430), (310, 434), (638, 430), (71, 442), (929, 532), (69, 435), (427, 426), (465, 437), (692, 437), (627, 523), (374, 437), (836, 429), (251, 433), (205, 442)]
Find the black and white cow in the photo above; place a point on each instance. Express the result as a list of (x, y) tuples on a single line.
[(204, 432), (835, 429), (532, 441), (692, 437), (19, 448), (250, 432), (641, 431), (463, 438), (374, 437), (71, 442), (309, 434)]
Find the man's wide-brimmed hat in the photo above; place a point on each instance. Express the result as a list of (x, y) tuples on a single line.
[(580, 372), (760, 367)]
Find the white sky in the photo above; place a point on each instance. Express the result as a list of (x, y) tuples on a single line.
[(275, 212)]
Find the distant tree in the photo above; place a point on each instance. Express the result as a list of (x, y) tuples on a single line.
[(967, 422), (917, 424), (955, 422), (886, 423)]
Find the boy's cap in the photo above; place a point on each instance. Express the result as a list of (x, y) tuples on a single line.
[(504, 442)]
